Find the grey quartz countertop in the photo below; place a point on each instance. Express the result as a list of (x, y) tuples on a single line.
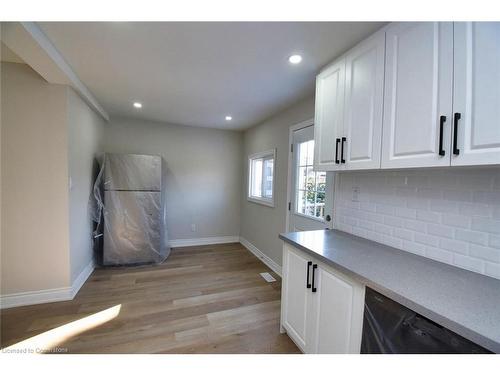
[(462, 301)]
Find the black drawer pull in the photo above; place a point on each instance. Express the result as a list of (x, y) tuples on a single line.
[(342, 160), (337, 141), (457, 117), (442, 120), (308, 284), (313, 287)]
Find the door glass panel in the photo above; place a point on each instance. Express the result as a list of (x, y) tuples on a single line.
[(311, 185)]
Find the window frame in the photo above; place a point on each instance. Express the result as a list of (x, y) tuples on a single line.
[(269, 154)]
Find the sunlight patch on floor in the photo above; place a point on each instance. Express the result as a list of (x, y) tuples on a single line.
[(46, 341)]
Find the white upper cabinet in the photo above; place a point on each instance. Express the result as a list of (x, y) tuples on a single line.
[(476, 96), (418, 93), (328, 123), (364, 90)]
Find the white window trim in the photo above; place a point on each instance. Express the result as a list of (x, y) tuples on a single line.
[(264, 201)]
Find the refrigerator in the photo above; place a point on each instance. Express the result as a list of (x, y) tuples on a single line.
[(134, 210)]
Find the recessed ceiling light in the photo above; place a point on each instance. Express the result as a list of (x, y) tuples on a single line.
[(295, 59), (228, 118), (137, 105)]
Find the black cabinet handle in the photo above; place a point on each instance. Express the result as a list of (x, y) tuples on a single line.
[(337, 141), (308, 285), (456, 117), (342, 160), (313, 287), (442, 120)]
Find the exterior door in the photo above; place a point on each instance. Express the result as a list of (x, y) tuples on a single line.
[(296, 296), (476, 96), (329, 116), (364, 95), (337, 314), (418, 92), (311, 206)]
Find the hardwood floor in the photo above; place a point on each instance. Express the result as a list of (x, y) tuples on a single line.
[(204, 299)]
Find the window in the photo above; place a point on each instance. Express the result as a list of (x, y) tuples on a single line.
[(311, 185), (261, 177)]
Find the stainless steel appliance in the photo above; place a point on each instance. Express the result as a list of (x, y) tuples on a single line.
[(134, 210)]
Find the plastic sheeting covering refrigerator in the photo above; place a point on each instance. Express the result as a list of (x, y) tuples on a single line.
[(133, 208)]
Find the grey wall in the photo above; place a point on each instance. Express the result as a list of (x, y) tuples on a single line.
[(35, 231), (260, 225), (203, 177), (85, 133)]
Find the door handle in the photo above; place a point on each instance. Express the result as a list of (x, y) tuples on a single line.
[(314, 289), (342, 160), (308, 285), (328, 218), (337, 141), (456, 117), (442, 120)]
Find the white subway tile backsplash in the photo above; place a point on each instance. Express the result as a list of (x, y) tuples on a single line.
[(437, 205), (468, 263), (476, 209), (439, 254), (455, 246), (449, 215), (393, 221), (382, 229), (415, 225), (440, 230), (472, 237), (486, 253), (494, 241), (426, 239), (387, 210), (486, 225), (403, 234), (409, 213), (457, 221), (414, 247), (428, 216), (493, 270)]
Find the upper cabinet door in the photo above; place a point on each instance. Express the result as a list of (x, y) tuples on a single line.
[(328, 123), (476, 97), (364, 94), (418, 92)]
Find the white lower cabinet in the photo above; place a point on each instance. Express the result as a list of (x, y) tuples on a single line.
[(322, 309)]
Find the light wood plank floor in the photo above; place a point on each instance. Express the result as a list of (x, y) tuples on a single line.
[(204, 299)]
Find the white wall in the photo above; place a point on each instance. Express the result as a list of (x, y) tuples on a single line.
[(35, 231), (203, 173), (450, 215), (85, 135), (260, 225)]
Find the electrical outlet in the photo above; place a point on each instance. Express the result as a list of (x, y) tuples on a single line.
[(193, 227), (355, 194)]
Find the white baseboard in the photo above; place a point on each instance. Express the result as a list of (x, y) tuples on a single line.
[(35, 297), (47, 295), (263, 257), (82, 277), (203, 241)]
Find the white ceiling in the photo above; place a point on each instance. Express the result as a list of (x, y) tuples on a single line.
[(197, 73)]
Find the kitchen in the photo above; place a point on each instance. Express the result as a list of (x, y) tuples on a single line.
[(195, 187)]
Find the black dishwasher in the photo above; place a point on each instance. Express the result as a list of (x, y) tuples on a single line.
[(389, 327)]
